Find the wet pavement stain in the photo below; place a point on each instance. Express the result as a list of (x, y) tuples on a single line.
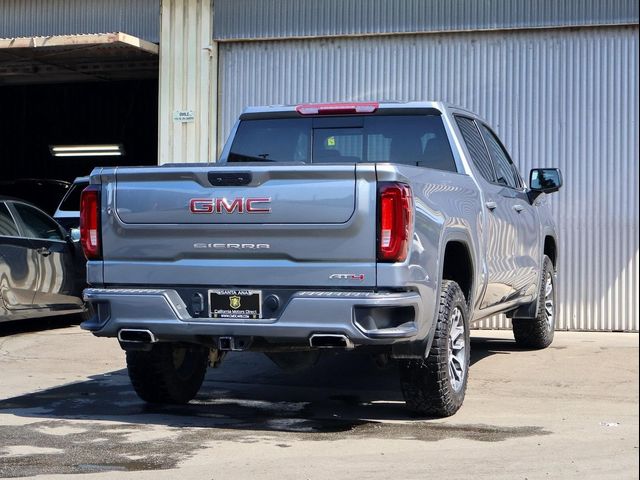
[(431, 432), (117, 451), (160, 437), (82, 453)]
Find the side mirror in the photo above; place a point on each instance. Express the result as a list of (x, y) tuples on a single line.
[(545, 180), (74, 234)]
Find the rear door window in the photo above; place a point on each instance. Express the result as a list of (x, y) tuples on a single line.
[(417, 140), (8, 227), (476, 147), (505, 170), (36, 224)]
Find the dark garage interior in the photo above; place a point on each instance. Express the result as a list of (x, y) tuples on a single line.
[(35, 117)]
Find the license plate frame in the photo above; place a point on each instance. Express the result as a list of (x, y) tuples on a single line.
[(235, 304)]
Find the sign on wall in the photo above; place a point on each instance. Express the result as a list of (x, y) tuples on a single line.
[(184, 116)]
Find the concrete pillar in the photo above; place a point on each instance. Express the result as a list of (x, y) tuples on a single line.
[(187, 111)]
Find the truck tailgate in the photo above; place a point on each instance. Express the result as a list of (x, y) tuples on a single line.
[(271, 224)]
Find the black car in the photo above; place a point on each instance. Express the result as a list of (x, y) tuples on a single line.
[(41, 268)]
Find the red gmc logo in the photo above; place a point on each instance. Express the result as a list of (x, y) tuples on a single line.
[(222, 205)]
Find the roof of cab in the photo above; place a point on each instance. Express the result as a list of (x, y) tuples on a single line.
[(381, 105)]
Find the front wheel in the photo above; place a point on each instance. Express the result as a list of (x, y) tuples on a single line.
[(538, 332), (436, 386), (168, 373)]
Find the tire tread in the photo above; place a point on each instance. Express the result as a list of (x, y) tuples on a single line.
[(154, 377), (425, 383), (533, 332)]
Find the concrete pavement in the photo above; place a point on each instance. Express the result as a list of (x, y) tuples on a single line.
[(571, 411)]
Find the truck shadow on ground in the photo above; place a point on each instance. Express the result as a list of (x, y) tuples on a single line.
[(249, 392)]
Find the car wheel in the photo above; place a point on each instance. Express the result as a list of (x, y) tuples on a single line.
[(538, 332), (436, 385), (168, 373)]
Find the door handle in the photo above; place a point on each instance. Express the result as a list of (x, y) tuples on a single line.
[(491, 205), (518, 208), (44, 251)]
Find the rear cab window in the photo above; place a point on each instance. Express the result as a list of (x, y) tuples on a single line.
[(417, 140)]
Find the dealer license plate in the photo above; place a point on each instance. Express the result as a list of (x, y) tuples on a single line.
[(236, 304)]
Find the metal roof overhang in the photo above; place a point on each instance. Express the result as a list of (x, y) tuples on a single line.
[(76, 58)]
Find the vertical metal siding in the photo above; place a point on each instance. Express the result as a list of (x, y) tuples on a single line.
[(566, 98), (188, 81), (254, 19), (26, 18)]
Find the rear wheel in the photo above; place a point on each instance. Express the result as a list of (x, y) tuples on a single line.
[(538, 332), (436, 385), (168, 373)]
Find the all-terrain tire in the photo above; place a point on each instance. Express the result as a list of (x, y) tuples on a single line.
[(432, 386), (168, 373), (537, 333)]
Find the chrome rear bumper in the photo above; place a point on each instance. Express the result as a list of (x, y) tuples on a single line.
[(164, 313)]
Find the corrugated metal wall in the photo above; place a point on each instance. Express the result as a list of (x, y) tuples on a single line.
[(251, 19), (566, 97), (26, 18)]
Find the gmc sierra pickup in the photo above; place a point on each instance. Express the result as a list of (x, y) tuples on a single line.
[(387, 227)]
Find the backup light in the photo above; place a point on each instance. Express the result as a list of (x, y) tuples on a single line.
[(105, 150)]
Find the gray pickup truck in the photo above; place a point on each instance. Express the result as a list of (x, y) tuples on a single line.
[(382, 227)]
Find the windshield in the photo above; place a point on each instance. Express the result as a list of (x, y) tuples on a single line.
[(418, 140)]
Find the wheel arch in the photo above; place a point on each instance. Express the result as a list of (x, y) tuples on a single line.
[(550, 248), (457, 241), (458, 264)]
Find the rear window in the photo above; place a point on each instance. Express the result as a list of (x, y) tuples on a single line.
[(37, 224), (7, 226), (71, 201), (418, 140)]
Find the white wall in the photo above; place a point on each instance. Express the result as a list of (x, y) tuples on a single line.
[(188, 82)]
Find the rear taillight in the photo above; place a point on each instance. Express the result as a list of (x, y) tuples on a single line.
[(90, 222), (395, 218)]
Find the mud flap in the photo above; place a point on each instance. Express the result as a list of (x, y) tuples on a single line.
[(416, 349)]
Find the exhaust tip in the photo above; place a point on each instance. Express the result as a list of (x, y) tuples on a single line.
[(135, 335), (330, 340)]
